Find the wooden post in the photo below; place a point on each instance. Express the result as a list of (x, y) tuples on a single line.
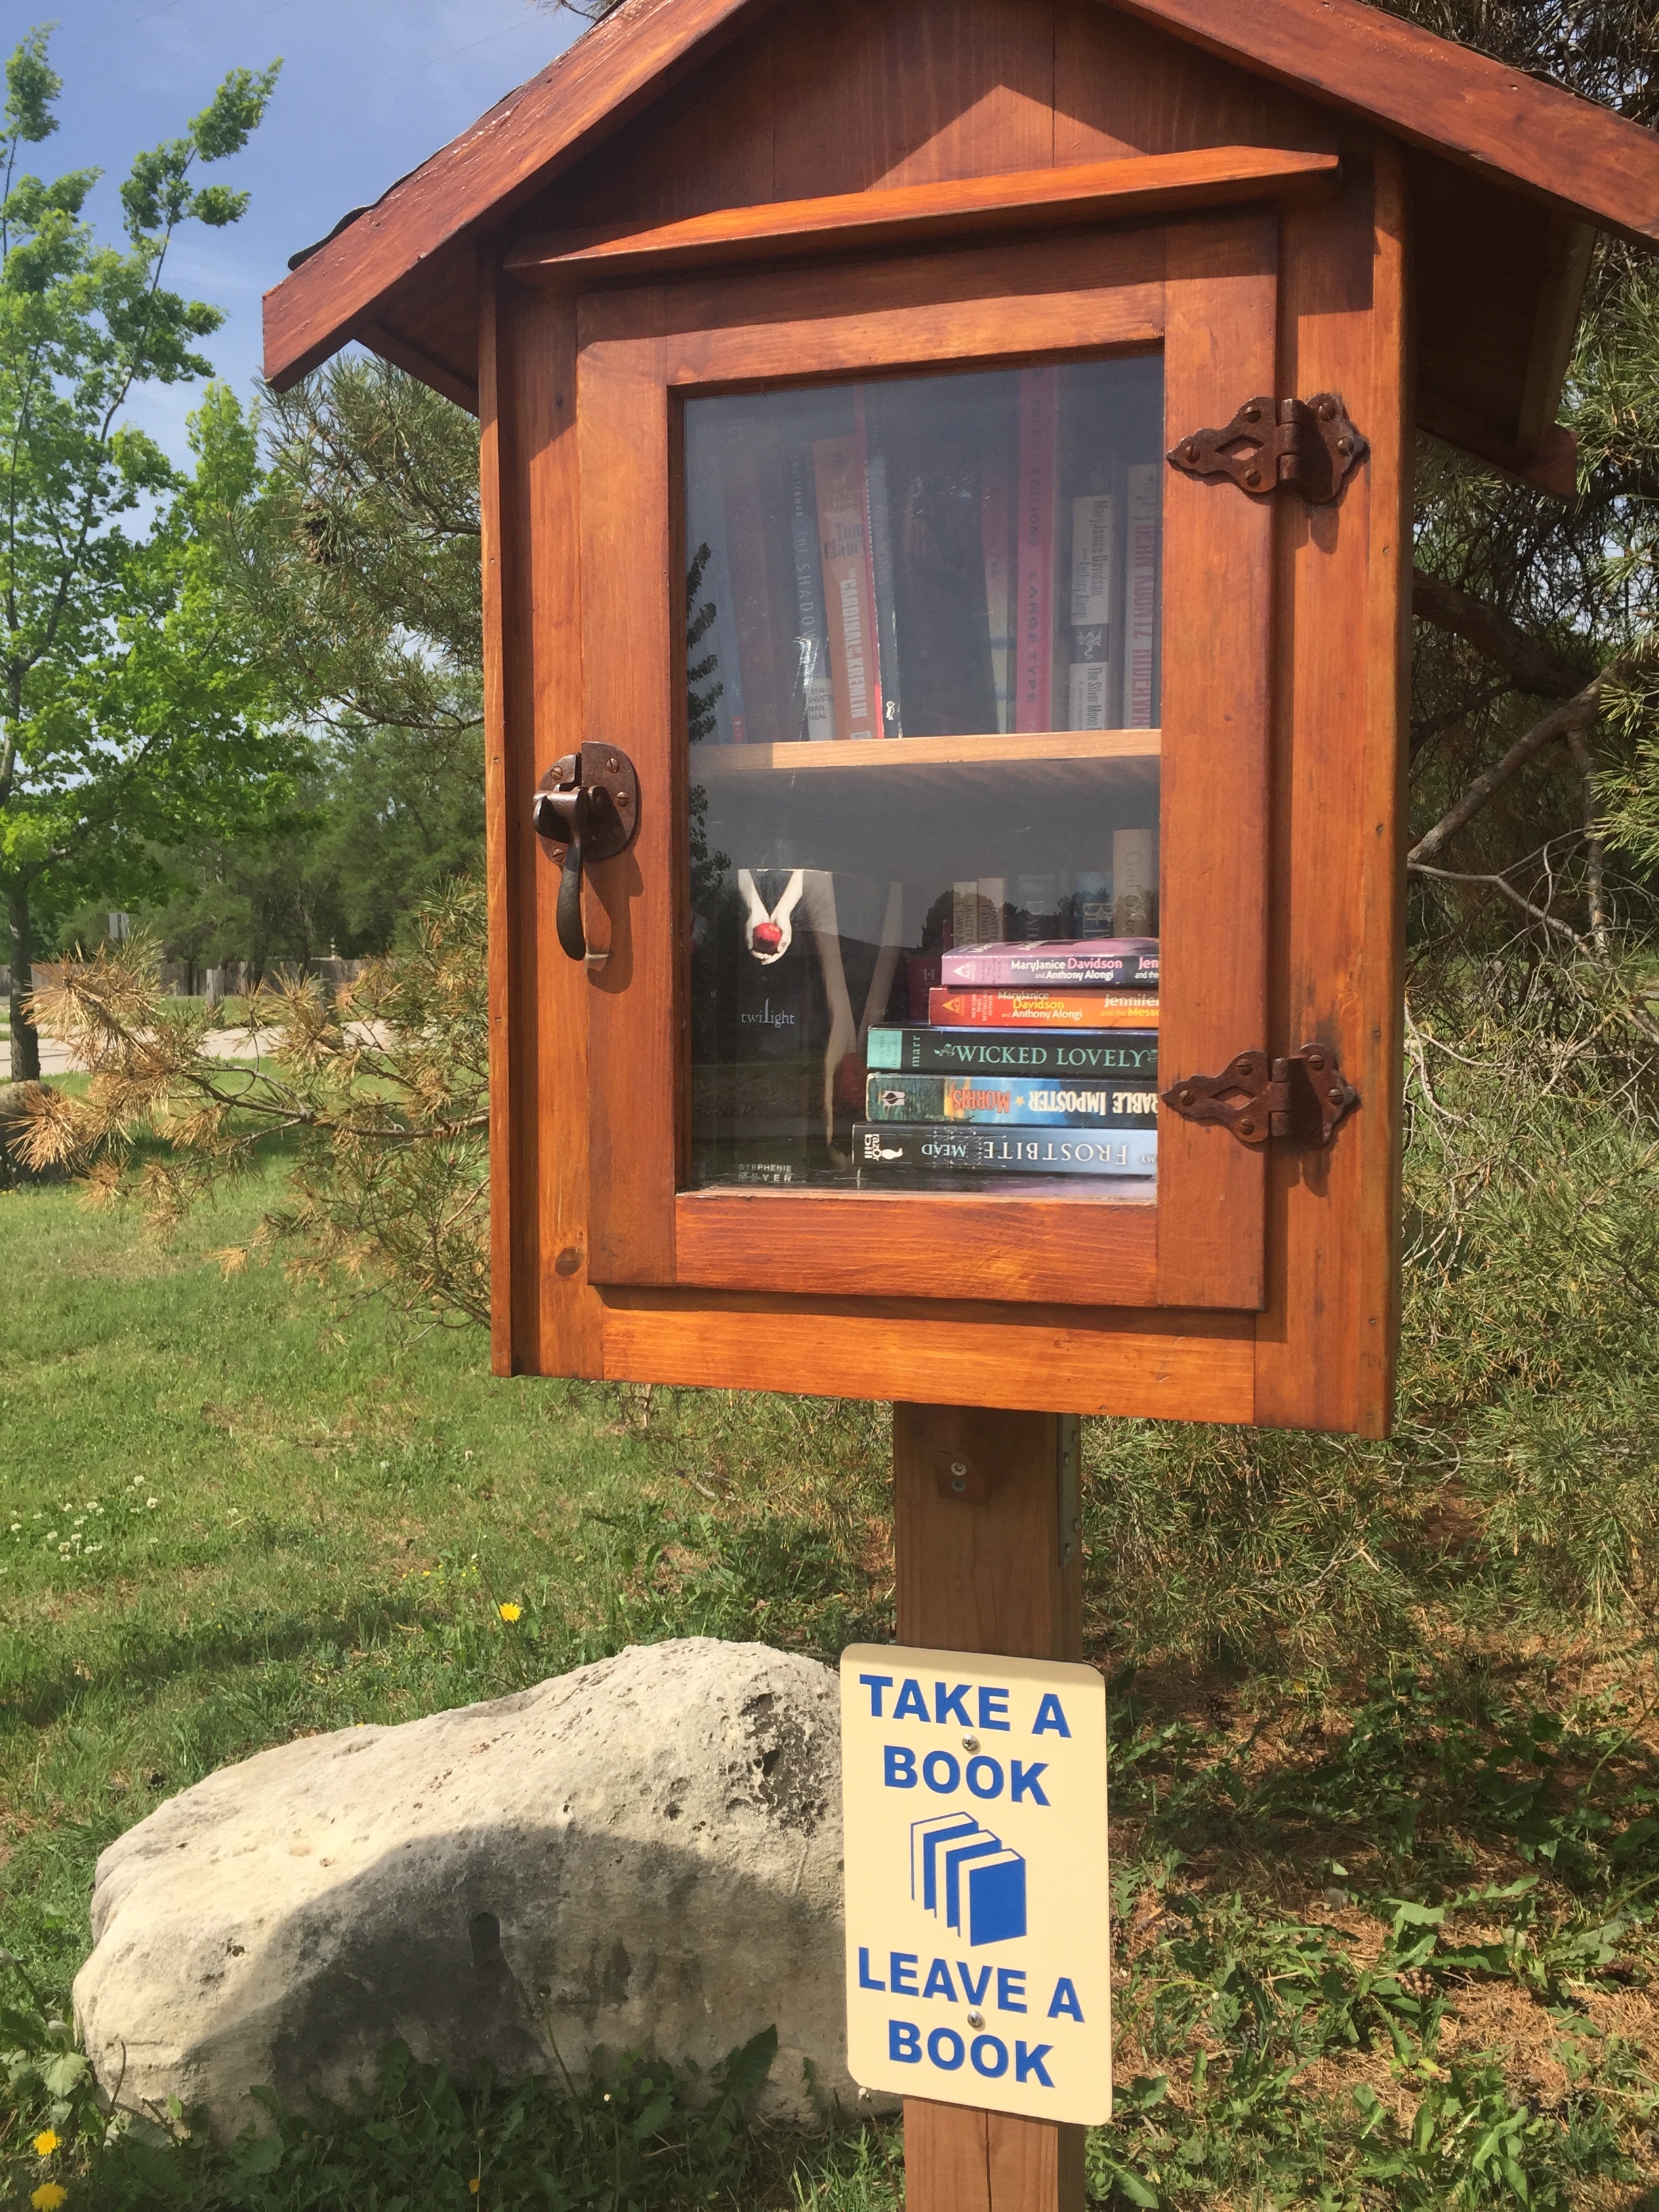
[(980, 1569)]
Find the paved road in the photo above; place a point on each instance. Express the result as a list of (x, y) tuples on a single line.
[(222, 1044)]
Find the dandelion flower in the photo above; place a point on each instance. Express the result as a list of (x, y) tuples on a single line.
[(510, 1612), (48, 2197), (45, 2143), (475, 2184)]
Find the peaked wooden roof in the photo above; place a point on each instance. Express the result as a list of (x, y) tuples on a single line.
[(394, 274)]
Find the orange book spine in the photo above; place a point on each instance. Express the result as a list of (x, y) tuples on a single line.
[(1042, 1010)]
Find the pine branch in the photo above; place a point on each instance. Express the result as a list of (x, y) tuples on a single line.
[(1531, 665)]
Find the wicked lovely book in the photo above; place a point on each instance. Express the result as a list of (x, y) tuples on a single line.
[(1097, 1053), (884, 1149)]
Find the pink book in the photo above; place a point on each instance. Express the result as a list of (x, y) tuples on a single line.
[(1078, 963), (1034, 632)]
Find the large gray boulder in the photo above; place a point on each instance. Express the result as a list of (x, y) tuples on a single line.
[(644, 1853)]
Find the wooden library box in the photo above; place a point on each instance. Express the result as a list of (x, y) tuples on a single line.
[(947, 514)]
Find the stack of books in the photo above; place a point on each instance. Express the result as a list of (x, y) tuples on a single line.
[(1037, 1058)]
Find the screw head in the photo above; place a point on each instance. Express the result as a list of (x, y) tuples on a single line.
[(1251, 414), (1247, 1128), (1253, 477), (975, 2019), (970, 1743), (1334, 1095), (1186, 1097), (958, 1483), (1327, 412), (613, 763), (1315, 1060), (1189, 451)]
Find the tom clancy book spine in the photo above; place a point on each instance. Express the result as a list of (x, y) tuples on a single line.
[(1127, 1102), (1062, 962), (882, 1148), (1084, 1054), (1040, 1010)]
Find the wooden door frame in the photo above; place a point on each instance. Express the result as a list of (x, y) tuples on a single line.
[(1203, 293)]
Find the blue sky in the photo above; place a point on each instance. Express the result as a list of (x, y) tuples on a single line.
[(368, 88)]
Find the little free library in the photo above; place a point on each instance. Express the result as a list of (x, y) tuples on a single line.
[(947, 501)]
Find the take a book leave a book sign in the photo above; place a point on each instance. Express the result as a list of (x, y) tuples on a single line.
[(978, 1954)]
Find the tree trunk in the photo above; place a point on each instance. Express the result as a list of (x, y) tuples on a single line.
[(25, 1037)]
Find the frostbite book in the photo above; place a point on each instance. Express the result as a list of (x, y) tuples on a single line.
[(1124, 1104), (943, 1148), (1084, 1053), (1083, 963)]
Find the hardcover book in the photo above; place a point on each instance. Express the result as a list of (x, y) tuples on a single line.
[(1034, 635), (1040, 1010), (1076, 1103), (878, 524), (1076, 1054), (849, 585), (1141, 597), (817, 692), (747, 472), (884, 1148), (1082, 963), (995, 522), (1134, 882)]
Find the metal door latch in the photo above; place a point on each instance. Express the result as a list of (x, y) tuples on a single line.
[(589, 804), (1303, 1095), (1309, 445)]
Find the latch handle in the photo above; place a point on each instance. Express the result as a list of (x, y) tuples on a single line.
[(588, 803)]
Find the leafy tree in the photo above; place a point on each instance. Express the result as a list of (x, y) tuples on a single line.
[(129, 711)]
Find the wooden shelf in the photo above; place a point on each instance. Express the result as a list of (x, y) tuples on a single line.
[(739, 763)]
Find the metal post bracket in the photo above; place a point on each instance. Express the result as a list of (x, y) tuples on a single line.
[(1308, 445)]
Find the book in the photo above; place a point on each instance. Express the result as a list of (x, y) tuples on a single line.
[(878, 529), (1040, 1010), (1097, 1053), (1082, 963), (883, 1148), (1134, 882), (1039, 909), (849, 585), (1088, 686), (1034, 634), (920, 981), (1122, 1103), (816, 690), (1141, 595), (1091, 561), (978, 908), (995, 548), (1092, 902)]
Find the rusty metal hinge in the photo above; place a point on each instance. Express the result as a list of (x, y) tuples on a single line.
[(1303, 1095), (1308, 444)]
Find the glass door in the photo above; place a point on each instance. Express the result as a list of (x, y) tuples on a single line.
[(922, 638), (887, 1002)]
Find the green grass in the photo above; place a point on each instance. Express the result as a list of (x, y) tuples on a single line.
[(1385, 1936)]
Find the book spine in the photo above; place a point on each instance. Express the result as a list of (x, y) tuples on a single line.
[(1141, 598), (1034, 656), (1040, 1010), (995, 548), (848, 586), (1040, 1100), (943, 1148), (964, 912), (1089, 1053), (746, 544), (811, 631), (879, 532), (1012, 967), (1134, 882)]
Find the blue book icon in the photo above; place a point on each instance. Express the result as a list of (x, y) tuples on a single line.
[(996, 1897), (961, 1870)]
